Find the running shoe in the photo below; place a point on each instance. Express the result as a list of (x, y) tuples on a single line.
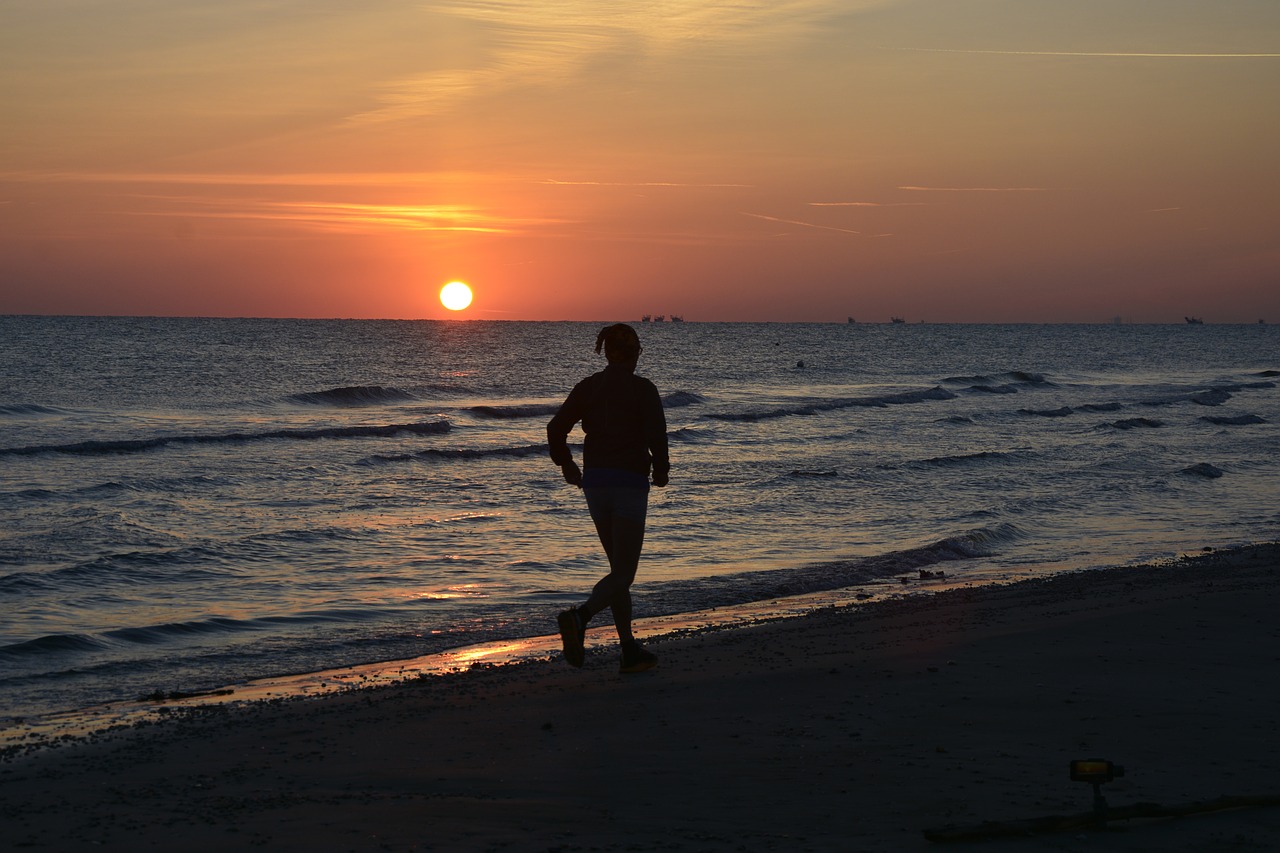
[(636, 658), (572, 636)]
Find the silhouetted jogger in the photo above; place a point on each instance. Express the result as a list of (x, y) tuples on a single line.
[(626, 439)]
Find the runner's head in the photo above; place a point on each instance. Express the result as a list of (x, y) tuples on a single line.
[(620, 342)]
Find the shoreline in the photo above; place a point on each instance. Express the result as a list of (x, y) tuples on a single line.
[(38, 730), (852, 727)]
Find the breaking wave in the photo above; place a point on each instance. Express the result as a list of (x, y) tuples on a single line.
[(162, 634), (140, 445), (1003, 383), (830, 405), (745, 587), (1135, 423), (1215, 395), (981, 458), (1204, 469), (1049, 413), (691, 435), (355, 395), (1238, 420), (28, 409), (52, 644), (678, 399), (532, 410), (442, 453)]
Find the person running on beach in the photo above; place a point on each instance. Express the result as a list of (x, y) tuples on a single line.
[(626, 437)]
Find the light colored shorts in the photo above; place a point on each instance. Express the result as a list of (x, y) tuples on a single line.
[(609, 500)]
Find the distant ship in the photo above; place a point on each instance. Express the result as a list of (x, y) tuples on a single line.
[(896, 320), (852, 321), (1194, 321)]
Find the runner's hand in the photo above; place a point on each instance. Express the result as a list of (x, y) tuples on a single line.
[(572, 473), (661, 480)]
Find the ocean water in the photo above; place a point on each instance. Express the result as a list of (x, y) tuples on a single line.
[(191, 503)]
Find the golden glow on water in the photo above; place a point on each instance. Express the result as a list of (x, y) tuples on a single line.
[(32, 730), (489, 653), (80, 723), (466, 590)]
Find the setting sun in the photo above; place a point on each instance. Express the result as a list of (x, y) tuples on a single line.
[(455, 296)]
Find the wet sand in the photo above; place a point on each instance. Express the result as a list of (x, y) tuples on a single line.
[(852, 728)]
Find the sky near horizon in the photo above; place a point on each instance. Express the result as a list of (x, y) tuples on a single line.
[(795, 160)]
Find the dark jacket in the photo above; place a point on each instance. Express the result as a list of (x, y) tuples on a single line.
[(622, 416)]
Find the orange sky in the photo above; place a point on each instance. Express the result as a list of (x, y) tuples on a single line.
[(941, 160)]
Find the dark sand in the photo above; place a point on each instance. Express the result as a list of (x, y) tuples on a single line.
[(853, 728)]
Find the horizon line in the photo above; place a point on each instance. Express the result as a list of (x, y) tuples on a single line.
[(450, 319)]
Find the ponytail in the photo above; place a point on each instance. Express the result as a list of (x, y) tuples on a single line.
[(619, 341)]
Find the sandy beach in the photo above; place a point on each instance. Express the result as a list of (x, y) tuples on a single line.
[(853, 728)]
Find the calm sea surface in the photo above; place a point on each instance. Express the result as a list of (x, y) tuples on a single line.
[(189, 503)]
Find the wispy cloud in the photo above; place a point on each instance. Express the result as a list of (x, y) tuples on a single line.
[(547, 42), (802, 223), (663, 25), (344, 216), (1099, 54), (975, 189), (557, 183), (377, 217), (867, 203), (307, 179)]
